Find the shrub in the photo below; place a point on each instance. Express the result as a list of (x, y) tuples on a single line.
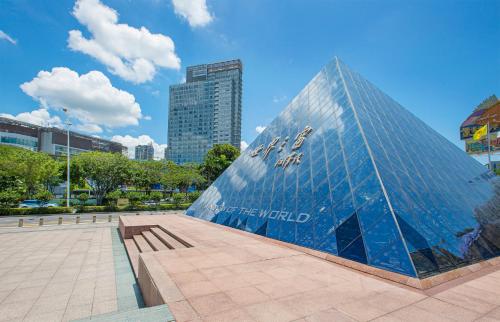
[(192, 196), (44, 195), (180, 206), (9, 198), (95, 209), (82, 198), (34, 211), (113, 196), (134, 198), (178, 198), (155, 196)]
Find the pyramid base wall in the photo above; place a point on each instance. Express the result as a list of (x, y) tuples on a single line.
[(457, 275), (130, 225)]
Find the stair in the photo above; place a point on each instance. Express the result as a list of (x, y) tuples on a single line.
[(153, 241), (142, 244), (176, 235), (133, 254), (168, 240)]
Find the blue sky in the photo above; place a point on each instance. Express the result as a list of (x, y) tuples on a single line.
[(439, 59)]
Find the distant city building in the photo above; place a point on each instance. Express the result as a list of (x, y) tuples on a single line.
[(52, 140), (144, 152), (488, 112), (204, 111)]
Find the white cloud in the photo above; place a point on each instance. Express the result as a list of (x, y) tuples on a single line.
[(147, 118), (194, 11), (243, 145), (131, 53), (89, 128), (38, 117), (260, 129), (131, 142), (278, 99), (4, 36), (90, 98)]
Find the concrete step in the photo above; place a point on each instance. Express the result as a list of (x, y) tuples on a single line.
[(187, 242), (153, 241), (168, 240), (133, 254), (142, 244), (153, 314)]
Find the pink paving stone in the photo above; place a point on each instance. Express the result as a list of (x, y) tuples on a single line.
[(212, 303), (183, 311), (229, 316), (447, 310), (271, 311), (276, 283), (188, 277), (230, 282), (329, 316), (199, 288), (247, 295)]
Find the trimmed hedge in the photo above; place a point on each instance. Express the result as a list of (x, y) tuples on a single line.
[(95, 209), (34, 211), (65, 210), (134, 208)]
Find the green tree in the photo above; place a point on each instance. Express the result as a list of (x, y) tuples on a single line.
[(44, 195), (83, 197), (218, 158), (113, 197), (144, 174), (9, 198), (178, 198), (182, 177), (156, 196), (104, 172), (27, 169), (135, 197), (194, 195)]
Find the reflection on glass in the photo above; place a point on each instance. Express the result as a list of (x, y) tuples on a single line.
[(375, 184)]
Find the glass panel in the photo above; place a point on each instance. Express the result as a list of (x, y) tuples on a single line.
[(322, 188)]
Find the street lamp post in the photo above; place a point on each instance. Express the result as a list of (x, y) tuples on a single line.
[(68, 182)]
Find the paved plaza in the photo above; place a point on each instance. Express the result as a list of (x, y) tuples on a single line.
[(82, 272), (229, 275), (64, 273)]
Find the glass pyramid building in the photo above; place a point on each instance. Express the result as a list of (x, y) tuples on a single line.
[(346, 170)]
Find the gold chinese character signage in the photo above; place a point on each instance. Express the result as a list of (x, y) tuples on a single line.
[(293, 158)]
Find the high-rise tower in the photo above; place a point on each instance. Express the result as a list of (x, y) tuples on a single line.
[(205, 110)]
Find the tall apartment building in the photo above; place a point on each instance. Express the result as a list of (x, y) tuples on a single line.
[(205, 110), (144, 152), (52, 140)]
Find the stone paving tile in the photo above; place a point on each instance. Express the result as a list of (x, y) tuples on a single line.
[(53, 315), (328, 316), (51, 275), (102, 307), (212, 303), (271, 311), (229, 316), (447, 310), (273, 283), (11, 311), (183, 311), (247, 295)]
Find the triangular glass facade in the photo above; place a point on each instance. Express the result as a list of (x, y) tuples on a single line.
[(346, 170)]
